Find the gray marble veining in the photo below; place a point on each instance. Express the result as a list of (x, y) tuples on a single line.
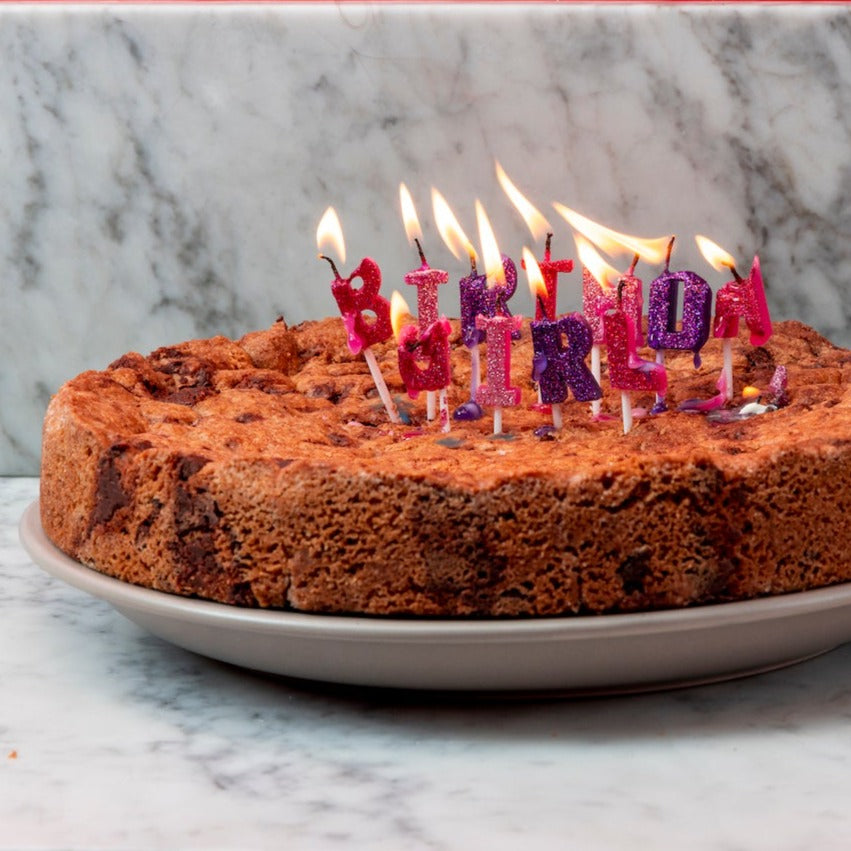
[(167, 166)]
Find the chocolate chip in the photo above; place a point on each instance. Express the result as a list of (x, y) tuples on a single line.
[(188, 396), (109, 495), (248, 417), (189, 465), (634, 569)]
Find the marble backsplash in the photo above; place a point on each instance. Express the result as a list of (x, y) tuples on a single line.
[(166, 166)]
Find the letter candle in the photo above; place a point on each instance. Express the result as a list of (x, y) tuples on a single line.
[(739, 298), (627, 371), (429, 347), (361, 332), (598, 296), (496, 390), (499, 327), (662, 330), (556, 367), (595, 302), (425, 279), (471, 288)]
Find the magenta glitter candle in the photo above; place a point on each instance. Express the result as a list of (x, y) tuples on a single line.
[(627, 371), (424, 357), (596, 301), (363, 333), (546, 305), (743, 298)]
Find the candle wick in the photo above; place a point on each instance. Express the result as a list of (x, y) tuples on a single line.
[(473, 269), (631, 270), (337, 275), (420, 250), (621, 285), (548, 245), (541, 305), (737, 276), (670, 251)]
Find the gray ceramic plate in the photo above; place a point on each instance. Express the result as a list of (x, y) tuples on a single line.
[(574, 655)]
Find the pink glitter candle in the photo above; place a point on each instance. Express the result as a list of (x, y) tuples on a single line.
[(426, 280), (496, 390), (596, 301)]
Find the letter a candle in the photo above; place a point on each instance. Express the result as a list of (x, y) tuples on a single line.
[(361, 332), (741, 297)]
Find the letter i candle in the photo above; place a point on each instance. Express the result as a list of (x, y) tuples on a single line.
[(472, 289), (739, 298), (425, 279), (361, 332), (498, 326)]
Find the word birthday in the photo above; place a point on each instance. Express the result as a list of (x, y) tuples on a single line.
[(567, 349)]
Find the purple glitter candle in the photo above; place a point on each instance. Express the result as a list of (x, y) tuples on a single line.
[(477, 299), (662, 330), (557, 367)]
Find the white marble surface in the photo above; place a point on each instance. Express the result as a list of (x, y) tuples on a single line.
[(121, 741), (167, 165)]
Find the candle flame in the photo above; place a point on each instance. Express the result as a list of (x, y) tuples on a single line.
[(715, 255), (450, 231), (409, 215), (399, 312), (535, 221), (605, 275), (650, 250), (533, 272), (330, 232), (490, 250)]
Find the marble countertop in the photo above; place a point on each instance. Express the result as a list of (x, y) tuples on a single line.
[(111, 738)]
